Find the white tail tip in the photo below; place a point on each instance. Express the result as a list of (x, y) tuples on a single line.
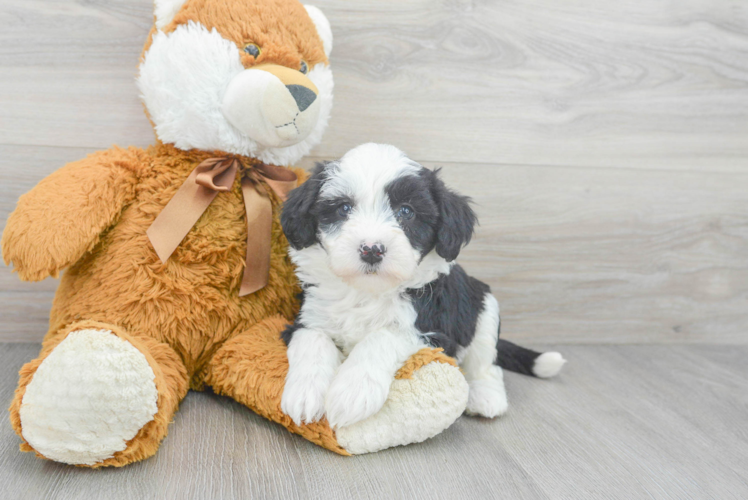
[(548, 364)]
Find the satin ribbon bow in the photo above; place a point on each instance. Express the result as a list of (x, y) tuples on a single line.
[(211, 177)]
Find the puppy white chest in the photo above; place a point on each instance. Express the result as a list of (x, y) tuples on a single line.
[(348, 315)]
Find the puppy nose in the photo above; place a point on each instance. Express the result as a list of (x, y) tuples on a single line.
[(372, 254), (303, 96)]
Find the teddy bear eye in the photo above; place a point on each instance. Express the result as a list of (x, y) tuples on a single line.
[(252, 49), (303, 67)]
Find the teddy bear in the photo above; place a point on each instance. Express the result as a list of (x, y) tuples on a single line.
[(176, 270)]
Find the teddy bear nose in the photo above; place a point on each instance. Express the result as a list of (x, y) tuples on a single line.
[(303, 96)]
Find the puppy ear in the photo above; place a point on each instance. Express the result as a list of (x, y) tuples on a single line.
[(456, 219), (299, 225)]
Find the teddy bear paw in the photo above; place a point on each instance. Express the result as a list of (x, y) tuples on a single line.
[(88, 398)]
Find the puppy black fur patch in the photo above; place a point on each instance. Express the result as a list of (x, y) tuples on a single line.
[(456, 219), (443, 219), (287, 334), (299, 224), (449, 306), (415, 191)]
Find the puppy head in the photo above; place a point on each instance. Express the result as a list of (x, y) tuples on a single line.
[(375, 214)]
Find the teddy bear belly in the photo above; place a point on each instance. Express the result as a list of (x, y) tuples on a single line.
[(191, 302)]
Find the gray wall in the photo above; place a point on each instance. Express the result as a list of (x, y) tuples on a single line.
[(605, 143)]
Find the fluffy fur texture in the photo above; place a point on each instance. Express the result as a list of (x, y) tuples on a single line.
[(170, 378), (374, 236), (69, 419), (188, 68), (165, 10), (323, 27), (548, 365), (183, 318), (409, 414)]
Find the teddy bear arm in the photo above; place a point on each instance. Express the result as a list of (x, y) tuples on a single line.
[(61, 219)]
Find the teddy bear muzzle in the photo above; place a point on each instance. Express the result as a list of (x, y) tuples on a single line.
[(274, 105)]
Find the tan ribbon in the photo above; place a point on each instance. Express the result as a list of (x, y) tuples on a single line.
[(216, 175)]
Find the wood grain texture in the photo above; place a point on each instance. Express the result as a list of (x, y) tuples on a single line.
[(535, 93), (605, 147), (633, 84), (630, 84), (574, 255), (621, 422), (622, 256)]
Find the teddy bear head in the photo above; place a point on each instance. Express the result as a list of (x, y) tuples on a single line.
[(247, 77)]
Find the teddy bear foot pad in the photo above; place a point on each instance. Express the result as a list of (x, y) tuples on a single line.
[(88, 398)]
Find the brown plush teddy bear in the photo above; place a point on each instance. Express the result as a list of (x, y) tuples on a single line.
[(177, 274)]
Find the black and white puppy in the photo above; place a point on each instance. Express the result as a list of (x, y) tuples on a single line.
[(374, 237)]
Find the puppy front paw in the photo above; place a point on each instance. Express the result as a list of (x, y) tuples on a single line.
[(355, 394), (304, 398)]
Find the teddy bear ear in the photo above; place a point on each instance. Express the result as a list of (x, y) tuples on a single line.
[(323, 27), (165, 10)]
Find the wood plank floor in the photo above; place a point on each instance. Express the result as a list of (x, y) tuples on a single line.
[(628, 422), (605, 146)]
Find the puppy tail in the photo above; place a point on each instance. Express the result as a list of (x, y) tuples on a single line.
[(528, 362)]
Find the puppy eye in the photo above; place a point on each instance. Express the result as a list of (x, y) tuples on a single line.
[(345, 209), (252, 49), (303, 67), (406, 212)]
